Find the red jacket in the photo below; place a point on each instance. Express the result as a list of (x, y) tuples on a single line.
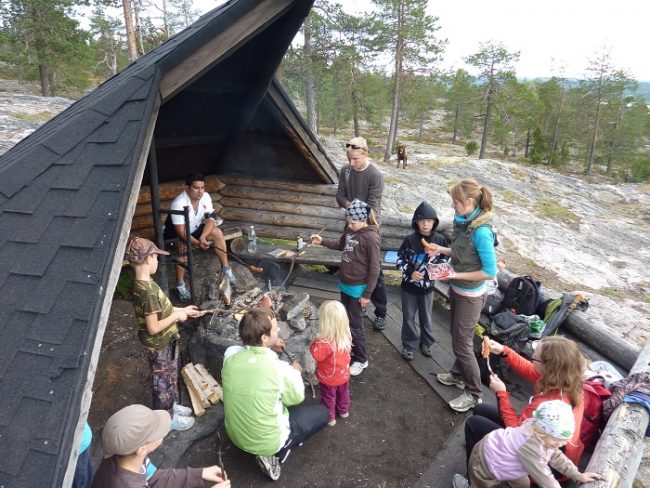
[(332, 368), (526, 370)]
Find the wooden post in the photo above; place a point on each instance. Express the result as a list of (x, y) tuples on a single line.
[(618, 452)]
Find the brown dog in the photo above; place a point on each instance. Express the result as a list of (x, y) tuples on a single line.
[(402, 155)]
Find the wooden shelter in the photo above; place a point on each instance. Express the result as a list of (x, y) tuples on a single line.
[(205, 101)]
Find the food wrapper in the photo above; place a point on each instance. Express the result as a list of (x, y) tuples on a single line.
[(439, 271)]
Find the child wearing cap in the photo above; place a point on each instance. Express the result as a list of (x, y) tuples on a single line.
[(359, 272), (128, 438), (158, 331), (513, 454)]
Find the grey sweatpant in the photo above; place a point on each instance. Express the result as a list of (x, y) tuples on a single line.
[(411, 336), (465, 312)]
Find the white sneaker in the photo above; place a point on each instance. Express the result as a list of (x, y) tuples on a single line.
[(459, 481), (357, 367), (464, 402), (182, 411), (183, 292), (229, 274), (182, 423), (270, 466)]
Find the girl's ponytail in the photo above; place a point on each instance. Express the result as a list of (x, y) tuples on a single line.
[(372, 218)]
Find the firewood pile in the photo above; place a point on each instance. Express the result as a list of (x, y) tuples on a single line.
[(203, 389)]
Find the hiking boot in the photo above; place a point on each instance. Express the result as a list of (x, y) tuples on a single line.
[(464, 402), (182, 411), (380, 323), (182, 423), (229, 274), (407, 354), (357, 367), (450, 379), (183, 292), (426, 351), (332, 423), (270, 466), (459, 481)]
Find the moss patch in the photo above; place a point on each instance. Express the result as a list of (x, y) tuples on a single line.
[(550, 209), (37, 117)]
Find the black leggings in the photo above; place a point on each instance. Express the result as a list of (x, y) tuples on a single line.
[(484, 420)]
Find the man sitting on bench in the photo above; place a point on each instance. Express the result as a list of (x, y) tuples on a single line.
[(203, 229)]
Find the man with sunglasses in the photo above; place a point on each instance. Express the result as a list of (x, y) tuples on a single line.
[(364, 181)]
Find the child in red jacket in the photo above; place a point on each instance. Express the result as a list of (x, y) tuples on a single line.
[(331, 350)]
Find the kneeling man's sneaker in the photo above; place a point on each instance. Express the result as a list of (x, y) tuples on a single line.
[(464, 402), (270, 466)]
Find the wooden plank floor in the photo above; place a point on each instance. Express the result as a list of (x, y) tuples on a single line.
[(449, 458)]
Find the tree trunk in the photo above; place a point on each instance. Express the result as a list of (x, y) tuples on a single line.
[(45, 80), (130, 31), (556, 132), (309, 77), (165, 19), (399, 47), (527, 143), (486, 123), (594, 135), (456, 114)]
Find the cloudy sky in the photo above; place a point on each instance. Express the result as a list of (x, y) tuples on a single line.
[(554, 36)]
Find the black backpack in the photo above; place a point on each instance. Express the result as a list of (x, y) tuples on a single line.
[(522, 296), (509, 329)]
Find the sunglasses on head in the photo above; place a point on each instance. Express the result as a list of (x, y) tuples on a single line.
[(354, 146)]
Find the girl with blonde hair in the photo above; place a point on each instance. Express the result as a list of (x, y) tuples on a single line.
[(331, 351), (473, 259)]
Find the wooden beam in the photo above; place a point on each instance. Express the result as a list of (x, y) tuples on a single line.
[(316, 188), (282, 195), (619, 450), (171, 189), (215, 49), (284, 207)]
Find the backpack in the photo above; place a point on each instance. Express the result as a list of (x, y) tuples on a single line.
[(593, 420), (522, 296), (509, 329), (493, 303)]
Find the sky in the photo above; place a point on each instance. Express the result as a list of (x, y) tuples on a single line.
[(555, 37)]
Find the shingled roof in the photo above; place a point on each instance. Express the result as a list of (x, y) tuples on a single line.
[(68, 192)]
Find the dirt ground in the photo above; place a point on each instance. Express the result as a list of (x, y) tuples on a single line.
[(396, 427)]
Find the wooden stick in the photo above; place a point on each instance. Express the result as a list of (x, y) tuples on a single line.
[(190, 375)]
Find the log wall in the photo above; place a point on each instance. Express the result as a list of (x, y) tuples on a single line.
[(277, 209)]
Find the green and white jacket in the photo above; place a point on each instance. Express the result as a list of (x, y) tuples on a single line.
[(257, 389)]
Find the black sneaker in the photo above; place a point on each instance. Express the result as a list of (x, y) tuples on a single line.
[(270, 466), (407, 354), (380, 323), (426, 351)]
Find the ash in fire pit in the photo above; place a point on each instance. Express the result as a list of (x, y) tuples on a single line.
[(297, 320)]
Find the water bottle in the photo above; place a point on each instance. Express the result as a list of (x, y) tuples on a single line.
[(252, 241)]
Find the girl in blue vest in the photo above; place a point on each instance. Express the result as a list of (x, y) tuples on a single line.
[(473, 259)]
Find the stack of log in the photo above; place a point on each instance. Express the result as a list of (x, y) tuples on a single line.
[(278, 209), (203, 389)]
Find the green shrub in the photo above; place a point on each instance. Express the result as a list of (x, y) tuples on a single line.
[(471, 147)]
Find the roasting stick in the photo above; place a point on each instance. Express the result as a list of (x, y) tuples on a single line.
[(485, 351), (318, 233)]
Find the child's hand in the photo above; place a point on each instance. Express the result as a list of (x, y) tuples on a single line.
[(193, 311), (417, 276), (495, 347), (363, 302), (588, 476), (296, 365), (315, 239), (214, 473), (496, 384)]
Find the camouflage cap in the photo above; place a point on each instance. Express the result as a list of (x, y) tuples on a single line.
[(140, 248)]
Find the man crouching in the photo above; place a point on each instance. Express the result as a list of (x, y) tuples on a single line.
[(265, 427)]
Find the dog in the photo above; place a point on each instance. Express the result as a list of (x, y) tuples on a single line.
[(402, 155)]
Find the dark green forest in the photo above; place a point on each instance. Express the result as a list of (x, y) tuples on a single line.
[(381, 71)]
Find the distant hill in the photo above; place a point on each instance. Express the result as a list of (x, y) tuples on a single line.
[(644, 90)]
